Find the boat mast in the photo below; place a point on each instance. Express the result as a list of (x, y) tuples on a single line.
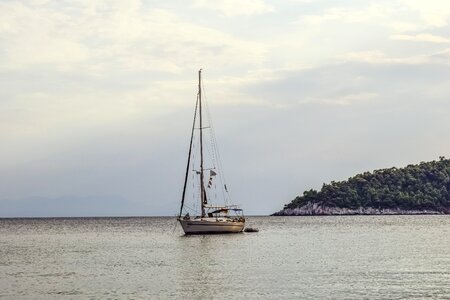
[(202, 187)]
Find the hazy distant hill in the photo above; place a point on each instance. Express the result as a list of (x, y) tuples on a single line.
[(422, 188), (72, 206)]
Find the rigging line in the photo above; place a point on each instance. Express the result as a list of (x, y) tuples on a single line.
[(190, 208), (221, 170), (210, 121), (203, 198), (222, 176), (194, 153), (193, 187), (209, 147), (196, 204), (216, 148), (212, 151), (189, 158)]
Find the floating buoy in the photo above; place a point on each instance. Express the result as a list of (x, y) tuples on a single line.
[(250, 229)]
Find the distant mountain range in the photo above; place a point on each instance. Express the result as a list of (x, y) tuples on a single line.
[(71, 206), (416, 189)]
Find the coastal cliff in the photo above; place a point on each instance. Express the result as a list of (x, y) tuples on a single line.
[(416, 189)]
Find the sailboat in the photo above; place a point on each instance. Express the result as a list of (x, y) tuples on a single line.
[(208, 217)]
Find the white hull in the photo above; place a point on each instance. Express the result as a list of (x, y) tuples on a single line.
[(210, 225)]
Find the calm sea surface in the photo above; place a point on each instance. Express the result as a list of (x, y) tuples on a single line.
[(372, 257)]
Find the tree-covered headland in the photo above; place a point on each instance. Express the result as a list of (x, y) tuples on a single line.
[(424, 187)]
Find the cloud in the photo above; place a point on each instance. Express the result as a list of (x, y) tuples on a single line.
[(96, 97), (421, 38), (83, 65), (434, 13), (110, 37), (378, 57), (401, 15), (441, 57), (345, 100), (349, 15), (30, 36), (373, 79), (236, 7)]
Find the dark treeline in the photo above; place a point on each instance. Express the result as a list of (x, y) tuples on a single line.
[(425, 186)]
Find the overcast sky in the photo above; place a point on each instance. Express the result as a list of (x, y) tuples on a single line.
[(96, 97)]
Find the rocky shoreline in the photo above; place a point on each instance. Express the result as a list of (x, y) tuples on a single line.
[(315, 209)]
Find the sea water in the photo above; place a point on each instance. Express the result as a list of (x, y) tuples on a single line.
[(337, 257)]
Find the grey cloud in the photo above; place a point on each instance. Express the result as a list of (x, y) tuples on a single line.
[(108, 130), (334, 81), (270, 153)]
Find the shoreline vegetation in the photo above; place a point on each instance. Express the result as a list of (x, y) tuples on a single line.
[(415, 189)]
